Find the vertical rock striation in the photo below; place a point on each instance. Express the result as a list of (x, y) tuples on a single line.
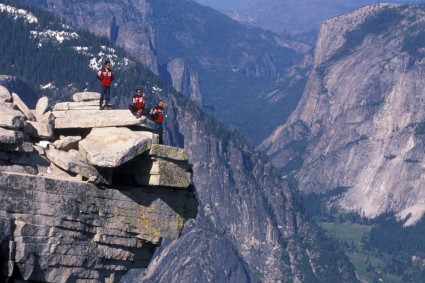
[(185, 79), (359, 125), (92, 200), (250, 226)]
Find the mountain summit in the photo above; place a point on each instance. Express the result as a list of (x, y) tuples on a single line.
[(359, 128)]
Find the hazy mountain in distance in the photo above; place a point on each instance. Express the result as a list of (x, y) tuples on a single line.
[(226, 4), (292, 16)]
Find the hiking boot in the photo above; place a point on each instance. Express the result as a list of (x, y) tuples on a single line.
[(101, 107), (108, 107)]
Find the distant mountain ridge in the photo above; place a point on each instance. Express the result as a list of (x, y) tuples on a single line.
[(293, 17), (233, 62), (359, 128)]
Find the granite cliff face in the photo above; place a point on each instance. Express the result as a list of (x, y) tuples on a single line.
[(98, 200), (85, 198), (184, 79), (250, 226), (360, 124)]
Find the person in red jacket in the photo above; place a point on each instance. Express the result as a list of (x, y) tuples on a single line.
[(157, 114), (106, 76), (138, 104)]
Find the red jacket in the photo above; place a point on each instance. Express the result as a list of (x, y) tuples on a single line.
[(157, 114), (139, 101), (105, 77)]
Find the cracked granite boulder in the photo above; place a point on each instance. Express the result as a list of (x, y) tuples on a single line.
[(72, 208)]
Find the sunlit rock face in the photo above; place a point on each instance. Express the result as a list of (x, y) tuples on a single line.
[(360, 124), (92, 199), (184, 79)]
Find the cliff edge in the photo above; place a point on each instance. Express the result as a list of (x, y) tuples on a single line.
[(86, 194)]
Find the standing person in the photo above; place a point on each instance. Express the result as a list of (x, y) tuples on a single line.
[(138, 103), (106, 76), (157, 115)]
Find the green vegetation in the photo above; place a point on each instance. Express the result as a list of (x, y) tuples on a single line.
[(347, 231), (382, 250), (349, 236), (39, 62), (382, 23)]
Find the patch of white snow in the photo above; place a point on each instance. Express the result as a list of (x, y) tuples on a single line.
[(19, 13), (47, 86), (59, 36)]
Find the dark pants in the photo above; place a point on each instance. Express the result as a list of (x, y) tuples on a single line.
[(105, 93), (134, 110), (159, 130)]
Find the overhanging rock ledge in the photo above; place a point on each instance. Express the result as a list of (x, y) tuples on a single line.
[(86, 194)]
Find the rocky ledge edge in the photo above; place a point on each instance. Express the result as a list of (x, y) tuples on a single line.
[(87, 194)]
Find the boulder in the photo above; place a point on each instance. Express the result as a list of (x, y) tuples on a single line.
[(11, 121), (164, 180), (84, 105), (19, 169), (8, 106), (86, 96), (29, 158), (111, 147), (57, 172), (4, 94), (38, 130), (24, 147), (72, 161), (47, 118), (11, 118), (14, 84), (23, 107), (170, 152), (11, 137), (95, 119), (154, 171), (41, 107), (67, 143)]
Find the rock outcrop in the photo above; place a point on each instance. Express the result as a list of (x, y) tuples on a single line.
[(85, 200), (184, 79), (359, 127), (14, 84), (250, 226)]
